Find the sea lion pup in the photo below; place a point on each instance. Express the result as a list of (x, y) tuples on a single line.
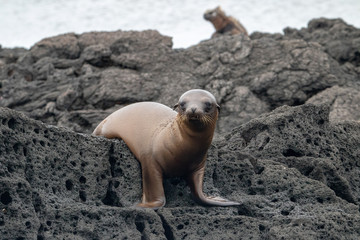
[(224, 24), (168, 143)]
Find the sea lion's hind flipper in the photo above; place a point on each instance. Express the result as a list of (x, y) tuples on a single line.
[(219, 201), (195, 182)]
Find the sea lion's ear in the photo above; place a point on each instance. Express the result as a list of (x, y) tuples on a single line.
[(175, 106), (218, 107)]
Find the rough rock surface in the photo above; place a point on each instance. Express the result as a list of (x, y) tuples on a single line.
[(340, 40), (344, 103), (295, 169), (76, 80), (302, 182)]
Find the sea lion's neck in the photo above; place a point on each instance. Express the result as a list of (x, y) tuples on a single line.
[(195, 132), (219, 23)]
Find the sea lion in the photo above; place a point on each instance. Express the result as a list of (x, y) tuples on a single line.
[(224, 24), (168, 143)]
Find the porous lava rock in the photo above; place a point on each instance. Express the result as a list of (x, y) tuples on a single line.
[(286, 145), (295, 174)]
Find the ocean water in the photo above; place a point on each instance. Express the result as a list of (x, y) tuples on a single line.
[(24, 22)]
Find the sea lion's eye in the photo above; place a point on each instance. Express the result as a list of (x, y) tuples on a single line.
[(182, 105), (208, 106)]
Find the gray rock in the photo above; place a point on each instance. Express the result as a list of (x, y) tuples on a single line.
[(8, 55), (106, 70), (294, 170), (97, 55), (62, 46), (295, 174), (340, 40), (344, 103)]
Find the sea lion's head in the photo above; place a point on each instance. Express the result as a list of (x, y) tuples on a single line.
[(198, 108), (211, 15)]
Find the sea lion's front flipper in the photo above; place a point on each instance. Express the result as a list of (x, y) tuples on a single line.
[(195, 182), (153, 190)]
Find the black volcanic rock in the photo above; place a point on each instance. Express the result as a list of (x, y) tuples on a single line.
[(340, 40), (295, 175), (294, 169), (73, 76), (344, 102)]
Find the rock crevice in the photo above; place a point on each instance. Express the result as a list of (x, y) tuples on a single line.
[(294, 169)]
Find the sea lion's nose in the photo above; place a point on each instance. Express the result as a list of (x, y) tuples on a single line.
[(193, 110)]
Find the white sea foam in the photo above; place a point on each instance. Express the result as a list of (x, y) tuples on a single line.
[(24, 22)]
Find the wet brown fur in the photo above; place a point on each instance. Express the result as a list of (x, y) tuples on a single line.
[(224, 24)]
